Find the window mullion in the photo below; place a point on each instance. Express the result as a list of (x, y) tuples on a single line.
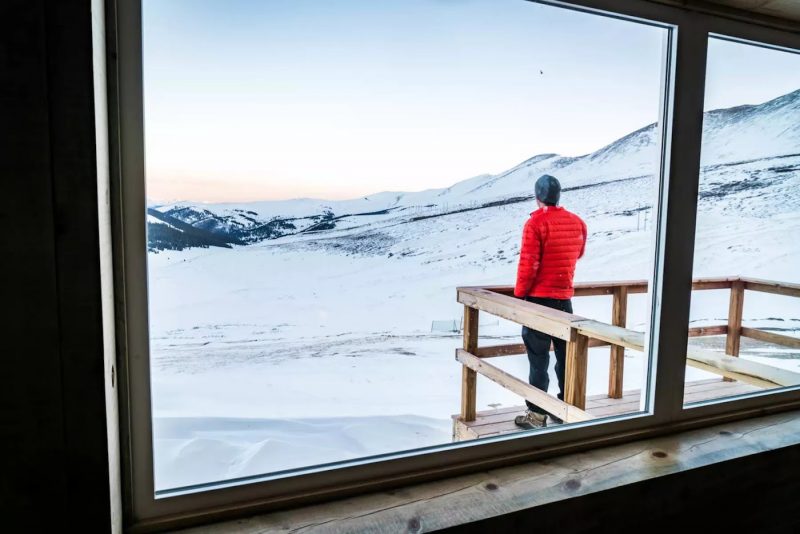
[(677, 215)]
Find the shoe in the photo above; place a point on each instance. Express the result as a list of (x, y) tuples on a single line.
[(531, 420)]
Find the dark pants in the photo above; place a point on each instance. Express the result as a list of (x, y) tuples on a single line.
[(538, 346)]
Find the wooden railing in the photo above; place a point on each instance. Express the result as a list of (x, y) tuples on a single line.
[(581, 333)]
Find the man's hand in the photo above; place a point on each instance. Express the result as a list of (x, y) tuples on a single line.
[(521, 294)]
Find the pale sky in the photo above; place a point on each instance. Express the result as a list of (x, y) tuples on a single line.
[(274, 99)]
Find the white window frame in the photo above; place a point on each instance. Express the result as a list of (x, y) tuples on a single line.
[(683, 95)]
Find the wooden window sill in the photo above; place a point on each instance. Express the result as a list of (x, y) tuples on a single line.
[(480, 496)]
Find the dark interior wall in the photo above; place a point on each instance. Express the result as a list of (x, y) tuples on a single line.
[(53, 451), (54, 464)]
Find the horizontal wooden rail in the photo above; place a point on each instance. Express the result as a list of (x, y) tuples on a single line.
[(553, 322), (614, 335), (500, 350), (771, 337), (512, 349), (770, 286), (561, 409), (758, 374), (704, 284), (744, 370), (588, 289), (493, 351), (700, 331), (747, 371), (593, 289)]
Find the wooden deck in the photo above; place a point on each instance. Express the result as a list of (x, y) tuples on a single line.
[(501, 421)]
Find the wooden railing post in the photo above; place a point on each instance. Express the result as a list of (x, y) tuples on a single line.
[(469, 385), (734, 320), (619, 315), (575, 376)]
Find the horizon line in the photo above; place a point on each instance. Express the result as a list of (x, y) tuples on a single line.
[(157, 203)]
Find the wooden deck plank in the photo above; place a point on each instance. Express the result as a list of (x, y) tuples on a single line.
[(737, 388), (501, 421)]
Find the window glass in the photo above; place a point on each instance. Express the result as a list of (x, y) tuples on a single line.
[(745, 315), (322, 176)]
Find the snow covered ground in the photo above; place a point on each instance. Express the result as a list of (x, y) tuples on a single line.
[(317, 347)]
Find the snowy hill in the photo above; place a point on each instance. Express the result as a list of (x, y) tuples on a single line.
[(736, 135), (165, 232)]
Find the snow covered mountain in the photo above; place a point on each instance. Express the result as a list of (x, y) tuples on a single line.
[(734, 136)]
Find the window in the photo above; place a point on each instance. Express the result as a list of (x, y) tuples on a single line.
[(747, 303), (648, 178), (287, 332)]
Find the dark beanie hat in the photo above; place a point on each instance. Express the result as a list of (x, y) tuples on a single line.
[(548, 189)]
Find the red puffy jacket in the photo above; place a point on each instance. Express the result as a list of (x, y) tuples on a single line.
[(552, 242)]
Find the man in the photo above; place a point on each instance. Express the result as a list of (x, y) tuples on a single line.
[(552, 242)]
